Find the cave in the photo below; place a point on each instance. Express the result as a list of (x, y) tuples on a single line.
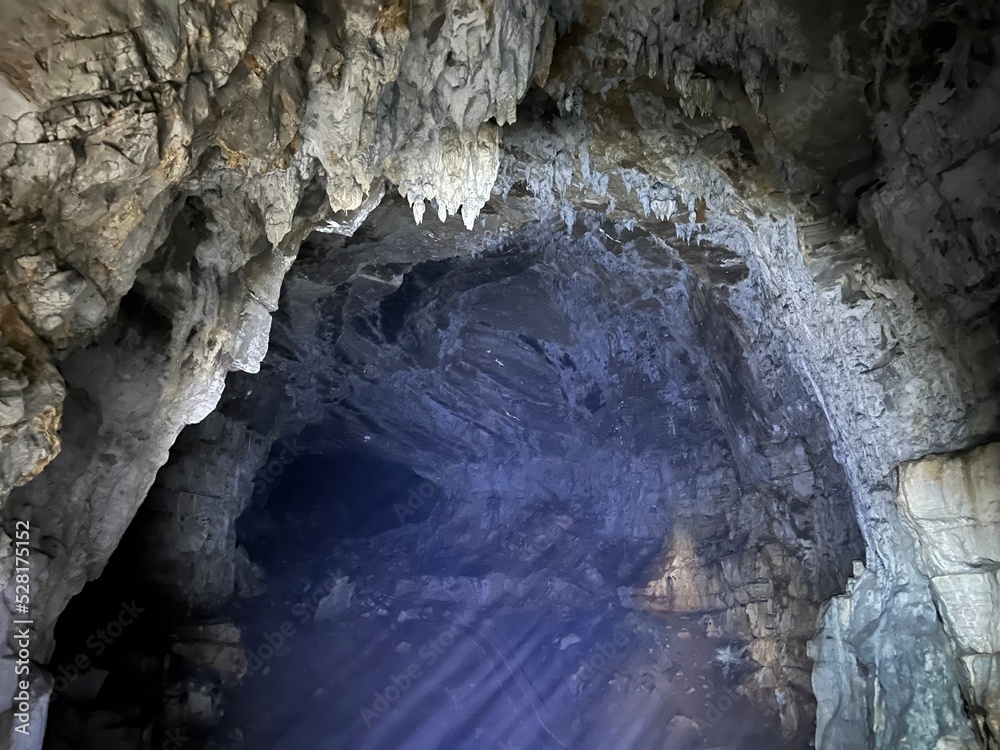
[(531, 374)]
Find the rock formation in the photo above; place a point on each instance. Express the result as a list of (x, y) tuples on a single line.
[(715, 336)]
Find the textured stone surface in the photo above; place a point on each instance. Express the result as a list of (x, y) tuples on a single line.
[(857, 642), (952, 503), (190, 541), (982, 674), (214, 646), (553, 352), (949, 503), (970, 606), (161, 164)]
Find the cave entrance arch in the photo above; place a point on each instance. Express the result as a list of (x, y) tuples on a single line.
[(633, 515)]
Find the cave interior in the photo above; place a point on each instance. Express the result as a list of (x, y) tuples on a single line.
[(523, 375)]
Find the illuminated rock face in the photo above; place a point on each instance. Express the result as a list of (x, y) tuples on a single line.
[(953, 506), (727, 272), (548, 372), (949, 504)]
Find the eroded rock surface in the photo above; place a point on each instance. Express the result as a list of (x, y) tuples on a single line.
[(950, 505), (953, 505), (785, 208)]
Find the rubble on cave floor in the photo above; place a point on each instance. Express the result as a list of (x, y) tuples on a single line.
[(348, 649)]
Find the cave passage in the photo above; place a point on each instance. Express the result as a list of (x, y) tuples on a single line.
[(343, 494), (111, 669), (546, 507), (378, 635), (536, 497)]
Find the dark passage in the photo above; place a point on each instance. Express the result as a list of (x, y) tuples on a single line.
[(111, 651), (344, 494)]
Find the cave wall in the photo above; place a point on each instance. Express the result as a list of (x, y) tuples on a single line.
[(949, 503), (594, 368), (161, 167)]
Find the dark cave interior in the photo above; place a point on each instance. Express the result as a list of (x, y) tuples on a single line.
[(483, 564)]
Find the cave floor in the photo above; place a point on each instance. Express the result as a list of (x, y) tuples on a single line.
[(387, 674)]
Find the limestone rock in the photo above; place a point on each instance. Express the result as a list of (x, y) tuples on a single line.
[(970, 605), (337, 600), (863, 679), (952, 504), (982, 674), (31, 394), (215, 647)]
